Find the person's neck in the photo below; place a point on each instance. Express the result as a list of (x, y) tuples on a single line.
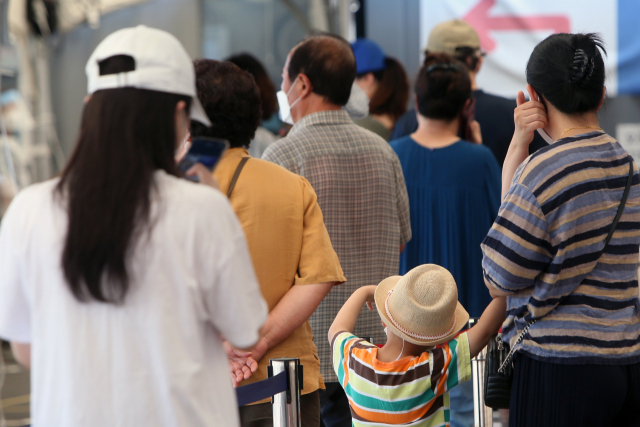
[(385, 119), (472, 77), (394, 348), (434, 133), (314, 104), (562, 125)]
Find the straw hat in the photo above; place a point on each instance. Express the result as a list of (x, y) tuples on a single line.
[(422, 306)]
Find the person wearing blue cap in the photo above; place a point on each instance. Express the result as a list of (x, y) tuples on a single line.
[(385, 82)]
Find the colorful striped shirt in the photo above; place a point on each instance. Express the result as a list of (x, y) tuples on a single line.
[(546, 249), (412, 391)]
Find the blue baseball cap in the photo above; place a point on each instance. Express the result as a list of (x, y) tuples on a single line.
[(369, 56)]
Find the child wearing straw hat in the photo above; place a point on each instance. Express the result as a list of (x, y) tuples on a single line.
[(408, 380)]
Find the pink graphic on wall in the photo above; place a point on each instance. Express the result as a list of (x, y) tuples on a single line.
[(478, 17)]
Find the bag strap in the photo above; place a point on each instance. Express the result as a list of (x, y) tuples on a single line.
[(623, 202), (236, 174)]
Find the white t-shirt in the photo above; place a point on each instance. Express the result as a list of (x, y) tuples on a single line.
[(156, 360)]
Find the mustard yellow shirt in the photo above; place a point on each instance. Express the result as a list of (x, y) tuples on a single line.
[(289, 246)]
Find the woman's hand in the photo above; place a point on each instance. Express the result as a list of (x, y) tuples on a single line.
[(528, 117), (476, 135), (241, 364), (204, 175)]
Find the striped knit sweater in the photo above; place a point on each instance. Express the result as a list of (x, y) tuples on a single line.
[(546, 249), (412, 391)]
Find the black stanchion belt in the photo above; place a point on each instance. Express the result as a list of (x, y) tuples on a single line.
[(262, 389)]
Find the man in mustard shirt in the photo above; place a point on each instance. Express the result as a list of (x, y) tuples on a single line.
[(288, 241)]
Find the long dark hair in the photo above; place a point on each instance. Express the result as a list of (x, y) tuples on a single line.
[(392, 94), (568, 69), (125, 136)]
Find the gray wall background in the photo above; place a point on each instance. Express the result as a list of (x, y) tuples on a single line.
[(395, 26), (621, 109), (71, 51), (265, 28)]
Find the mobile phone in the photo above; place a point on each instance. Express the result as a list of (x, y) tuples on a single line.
[(535, 145), (466, 118), (207, 151)]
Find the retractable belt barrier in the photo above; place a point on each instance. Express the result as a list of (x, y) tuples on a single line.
[(482, 414), (262, 389), (283, 386)]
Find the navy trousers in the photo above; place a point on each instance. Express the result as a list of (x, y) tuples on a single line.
[(550, 395)]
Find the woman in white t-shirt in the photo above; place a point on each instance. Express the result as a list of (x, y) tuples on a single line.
[(118, 278)]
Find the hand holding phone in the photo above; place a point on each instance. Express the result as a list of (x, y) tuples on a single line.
[(476, 133), (203, 175), (468, 126), (204, 151), (529, 116)]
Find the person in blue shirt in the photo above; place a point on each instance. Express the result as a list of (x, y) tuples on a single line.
[(454, 192), (453, 184)]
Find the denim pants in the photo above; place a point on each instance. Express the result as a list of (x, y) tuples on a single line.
[(461, 399)]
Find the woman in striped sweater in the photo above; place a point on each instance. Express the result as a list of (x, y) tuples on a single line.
[(579, 363)]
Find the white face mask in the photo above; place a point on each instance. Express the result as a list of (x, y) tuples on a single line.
[(183, 149), (283, 103), (358, 105), (545, 136)]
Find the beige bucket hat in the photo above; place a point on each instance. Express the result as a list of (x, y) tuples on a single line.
[(422, 306)]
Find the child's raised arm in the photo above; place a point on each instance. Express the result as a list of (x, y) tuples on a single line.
[(488, 325), (346, 318)]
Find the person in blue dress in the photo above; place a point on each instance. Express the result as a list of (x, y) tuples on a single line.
[(454, 188), (453, 184)]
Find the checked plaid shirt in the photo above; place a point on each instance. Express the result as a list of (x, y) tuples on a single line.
[(361, 192)]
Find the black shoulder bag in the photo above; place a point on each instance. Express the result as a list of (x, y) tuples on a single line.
[(498, 370)]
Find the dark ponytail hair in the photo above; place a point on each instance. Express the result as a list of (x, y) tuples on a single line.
[(442, 87), (125, 136), (568, 70), (392, 94)]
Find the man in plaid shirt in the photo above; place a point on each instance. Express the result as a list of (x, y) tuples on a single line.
[(360, 187)]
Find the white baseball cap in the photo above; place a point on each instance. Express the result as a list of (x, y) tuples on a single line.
[(161, 62)]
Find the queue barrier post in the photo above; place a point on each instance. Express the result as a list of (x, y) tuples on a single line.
[(286, 405), (482, 415)]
